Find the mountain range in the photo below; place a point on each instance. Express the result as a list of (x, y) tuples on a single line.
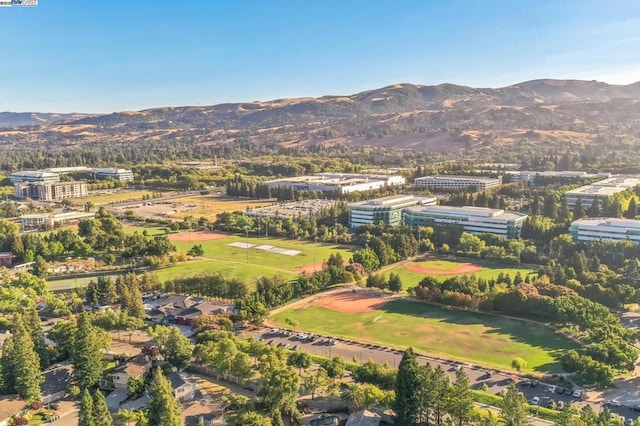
[(443, 117)]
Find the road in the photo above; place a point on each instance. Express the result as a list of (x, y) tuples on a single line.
[(358, 352)]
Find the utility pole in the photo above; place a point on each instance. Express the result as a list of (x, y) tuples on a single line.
[(246, 230)]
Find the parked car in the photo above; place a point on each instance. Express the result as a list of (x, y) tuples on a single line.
[(613, 403), (636, 408), (296, 347), (525, 382), (560, 405), (577, 394), (551, 389), (457, 367), (551, 403), (534, 383), (560, 390), (535, 400), (629, 422)]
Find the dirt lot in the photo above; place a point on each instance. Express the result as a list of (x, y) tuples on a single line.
[(464, 268)]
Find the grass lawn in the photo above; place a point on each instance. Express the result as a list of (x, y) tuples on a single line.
[(310, 252), (465, 336), (243, 271), (411, 279), (112, 198), (71, 283)]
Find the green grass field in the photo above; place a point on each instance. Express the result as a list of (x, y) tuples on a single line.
[(411, 279), (465, 336), (233, 262), (71, 283)]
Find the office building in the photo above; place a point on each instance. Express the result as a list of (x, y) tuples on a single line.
[(122, 175), (50, 220), (600, 190), (605, 229), (387, 210), (479, 183), (475, 220), (342, 183), (34, 176), (50, 191)]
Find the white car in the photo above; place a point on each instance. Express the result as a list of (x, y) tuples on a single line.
[(535, 400), (614, 403), (551, 389), (577, 394)]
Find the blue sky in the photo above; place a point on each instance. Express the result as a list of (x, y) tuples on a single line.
[(107, 55)]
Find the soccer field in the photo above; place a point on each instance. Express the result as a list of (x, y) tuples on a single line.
[(247, 259), (449, 333)]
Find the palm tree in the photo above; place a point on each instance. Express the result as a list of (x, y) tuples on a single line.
[(353, 396)]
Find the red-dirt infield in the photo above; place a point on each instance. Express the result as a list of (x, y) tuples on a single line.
[(352, 302)]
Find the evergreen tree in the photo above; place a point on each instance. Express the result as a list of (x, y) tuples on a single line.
[(460, 399), (164, 409), (564, 213), (86, 417), (177, 349), (594, 264), (594, 209), (578, 210), (513, 409), (440, 392), (101, 414), (550, 208), (86, 354), (25, 363), (40, 267), (33, 324), (395, 283), (407, 402), (535, 206), (579, 263), (6, 363), (632, 210)]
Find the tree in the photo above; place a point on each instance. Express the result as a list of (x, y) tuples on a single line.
[(177, 350), (127, 416), (335, 367), (86, 417), (86, 355), (518, 363), (461, 400), (101, 414), (632, 210), (513, 409), (594, 209), (196, 251), (367, 258), (280, 387), (40, 267), (395, 283), (135, 385), (578, 210), (172, 344), (163, 407), (313, 382), (25, 363), (407, 402), (300, 360), (251, 418)]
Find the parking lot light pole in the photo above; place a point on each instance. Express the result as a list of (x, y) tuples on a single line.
[(246, 230)]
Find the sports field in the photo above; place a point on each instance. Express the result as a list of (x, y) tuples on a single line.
[(413, 272), (227, 254), (449, 333)]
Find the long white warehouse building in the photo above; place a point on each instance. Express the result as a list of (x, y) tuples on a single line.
[(339, 182), (605, 228)]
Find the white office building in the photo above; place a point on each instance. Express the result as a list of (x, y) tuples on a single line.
[(600, 190), (337, 182), (387, 209), (122, 175), (605, 228), (475, 220), (50, 220), (34, 176), (451, 182)]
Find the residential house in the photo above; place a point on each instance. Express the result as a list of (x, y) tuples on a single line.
[(187, 316), (183, 389), (135, 368), (164, 310), (6, 259)]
